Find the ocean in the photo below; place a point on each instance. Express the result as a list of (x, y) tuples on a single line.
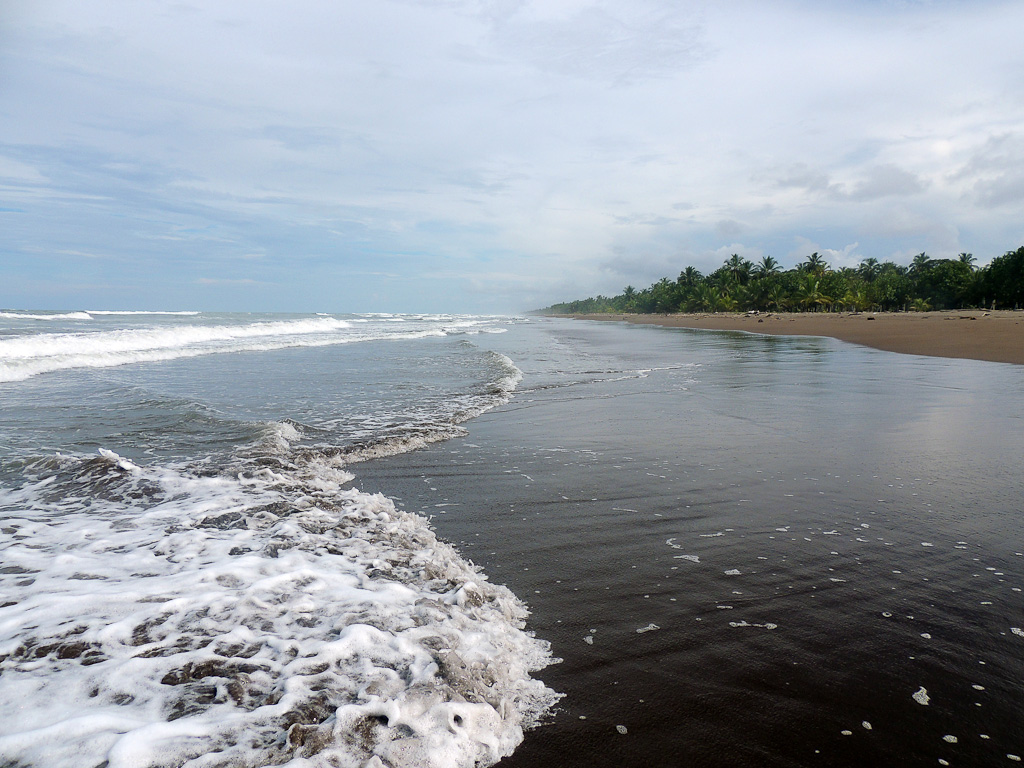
[(189, 575), (441, 540)]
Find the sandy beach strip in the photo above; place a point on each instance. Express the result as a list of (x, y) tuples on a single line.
[(692, 543), (996, 336)]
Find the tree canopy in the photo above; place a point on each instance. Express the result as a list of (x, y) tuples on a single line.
[(812, 286)]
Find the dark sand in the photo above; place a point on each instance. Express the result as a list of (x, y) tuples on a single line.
[(855, 517), (996, 336)]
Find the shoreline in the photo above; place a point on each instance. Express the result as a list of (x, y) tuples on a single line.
[(702, 540), (993, 336)]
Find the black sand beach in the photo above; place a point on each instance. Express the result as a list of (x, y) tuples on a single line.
[(996, 336), (752, 550)]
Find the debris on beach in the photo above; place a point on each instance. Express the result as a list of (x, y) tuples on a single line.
[(766, 625)]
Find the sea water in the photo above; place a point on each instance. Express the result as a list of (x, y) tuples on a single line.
[(749, 551), (188, 574)]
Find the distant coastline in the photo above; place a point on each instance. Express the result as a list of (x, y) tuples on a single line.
[(995, 336)]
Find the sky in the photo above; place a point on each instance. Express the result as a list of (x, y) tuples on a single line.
[(490, 155)]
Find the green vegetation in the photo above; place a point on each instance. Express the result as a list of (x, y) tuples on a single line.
[(811, 286)]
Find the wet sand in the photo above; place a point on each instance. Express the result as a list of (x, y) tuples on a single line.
[(749, 551), (995, 336)]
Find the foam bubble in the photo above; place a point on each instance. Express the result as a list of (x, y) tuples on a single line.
[(22, 357), (49, 316), (182, 313), (766, 625), (256, 617)]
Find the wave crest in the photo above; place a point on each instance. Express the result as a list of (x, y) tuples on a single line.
[(233, 621)]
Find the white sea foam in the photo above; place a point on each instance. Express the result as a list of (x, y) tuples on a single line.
[(215, 621), (394, 446), (89, 314), (184, 313), (22, 357), (41, 316), (420, 430)]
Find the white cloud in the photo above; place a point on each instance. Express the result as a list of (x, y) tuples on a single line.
[(576, 137), (884, 181), (603, 40)]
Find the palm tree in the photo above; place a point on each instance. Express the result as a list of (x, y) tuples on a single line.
[(755, 295), (968, 259), (663, 294), (629, 298), (689, 277), (854, 299), (744, 296), (810, 295), (869, 269), (703, 299), (778, 298), (815, 264), (738, 267), (920, 263), (766, 267), (727, 302)]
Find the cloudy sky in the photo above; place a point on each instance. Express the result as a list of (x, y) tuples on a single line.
[(490, 155)]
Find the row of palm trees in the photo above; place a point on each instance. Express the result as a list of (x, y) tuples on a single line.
[(812, 286)]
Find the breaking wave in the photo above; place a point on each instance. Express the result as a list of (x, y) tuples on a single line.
[(22, 357), (266, 617), (247, 606), (48, 316)]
